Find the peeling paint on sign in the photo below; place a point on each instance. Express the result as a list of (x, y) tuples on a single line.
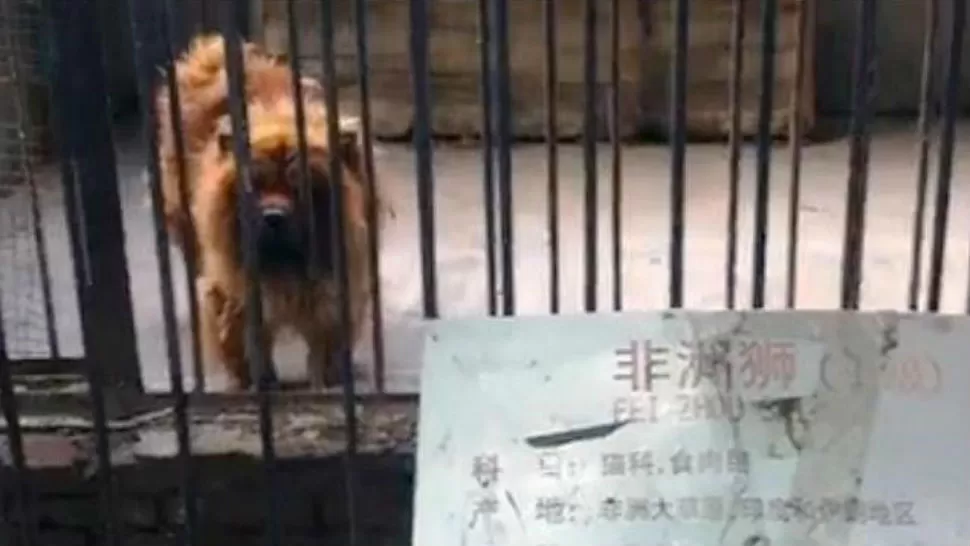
[(695, 429)]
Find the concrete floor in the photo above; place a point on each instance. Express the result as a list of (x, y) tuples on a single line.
[(645, 210)]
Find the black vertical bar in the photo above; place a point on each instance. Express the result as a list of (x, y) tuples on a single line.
[(795, 145), (241, 13), (855, 212), (18, 75), (769, 14), (422, 144), (590, 211), (104, 294), (925, 126), (68, 175), (106, 313), (503, 126), (951, 107), (488, 154), (617, 157), (204, 23), (734, 144), (257, 354), (338, 245), (373, 243), (678, 139), (141, 13), (549, 16), (170, 25), (15, 442), (944, 173), (293, 39), (175, 29)]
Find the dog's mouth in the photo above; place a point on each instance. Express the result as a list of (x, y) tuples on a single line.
[(287, 251)]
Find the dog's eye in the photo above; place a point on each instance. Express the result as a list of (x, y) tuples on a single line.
[(296, 180)]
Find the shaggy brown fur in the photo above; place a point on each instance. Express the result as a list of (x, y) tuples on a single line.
[(291, 299)]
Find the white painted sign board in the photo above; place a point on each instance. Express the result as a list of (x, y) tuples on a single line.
[(695, 429)]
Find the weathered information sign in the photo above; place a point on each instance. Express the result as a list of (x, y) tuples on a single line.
[(696, 429)]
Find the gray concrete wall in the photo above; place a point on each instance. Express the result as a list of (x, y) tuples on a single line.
[(899, 38)]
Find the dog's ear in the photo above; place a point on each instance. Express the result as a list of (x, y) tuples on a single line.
[(224, 134)]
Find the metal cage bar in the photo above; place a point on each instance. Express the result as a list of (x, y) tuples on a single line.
[(678, 142), (616, 173), (488, 152), (501, 85), (256, 352), (795, 151), (927, 120), (591, 188), (734, 149), (944, 173), (141, 13), (860, 136), (550, 36), (343, 353), (93, 205), (769, 16)]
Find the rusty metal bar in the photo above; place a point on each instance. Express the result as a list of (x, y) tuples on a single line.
[(927, 120), (735, 139), (855, 212)]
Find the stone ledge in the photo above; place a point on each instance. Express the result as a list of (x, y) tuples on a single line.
[(231, 487)]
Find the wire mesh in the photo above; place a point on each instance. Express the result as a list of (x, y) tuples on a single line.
[(23, 143)]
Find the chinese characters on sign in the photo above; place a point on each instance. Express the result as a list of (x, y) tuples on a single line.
[(555, 510), (758, 365), (690, 429), (645, 463)]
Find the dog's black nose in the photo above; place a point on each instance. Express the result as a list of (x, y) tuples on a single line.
[(274, 218)]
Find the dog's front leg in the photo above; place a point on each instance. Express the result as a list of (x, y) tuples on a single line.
[(222, 335), (319, 363)]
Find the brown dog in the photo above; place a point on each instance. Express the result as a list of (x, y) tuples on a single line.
[(292, 299)]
